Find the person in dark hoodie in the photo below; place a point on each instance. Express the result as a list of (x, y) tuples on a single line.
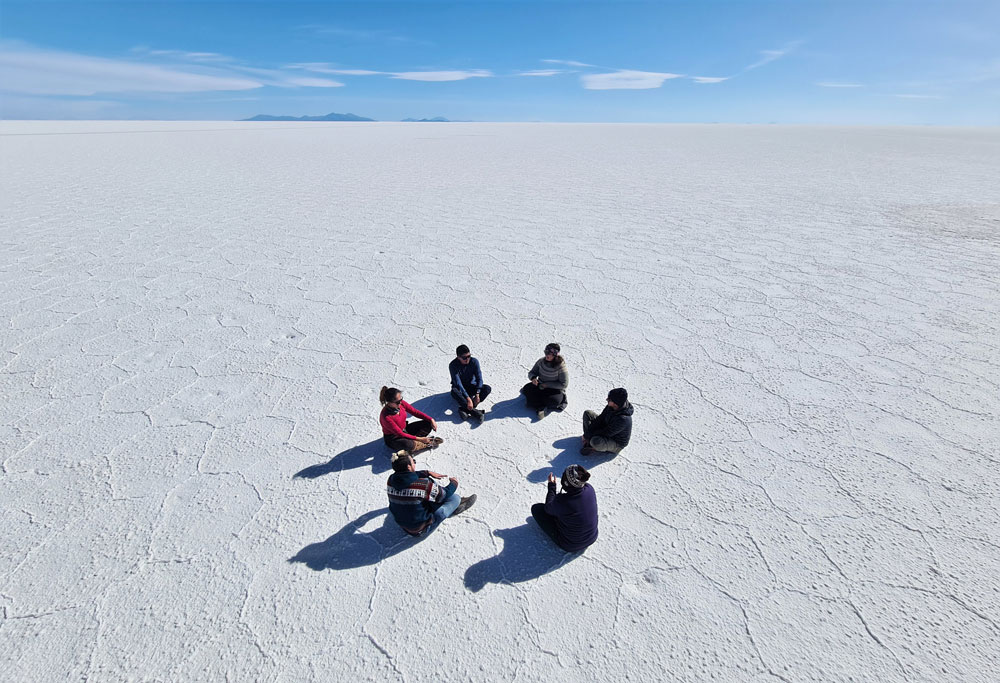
[(610, 431), (417, 502), (569, 517)]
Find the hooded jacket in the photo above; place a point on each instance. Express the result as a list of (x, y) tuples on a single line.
[(575, 512), (614, 424)]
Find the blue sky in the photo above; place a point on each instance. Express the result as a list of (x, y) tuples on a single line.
[(803, 61)]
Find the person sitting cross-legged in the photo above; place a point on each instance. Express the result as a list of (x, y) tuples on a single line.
[(418, 502), (467, 387), (570, 517), (610, 431), (400, 435)]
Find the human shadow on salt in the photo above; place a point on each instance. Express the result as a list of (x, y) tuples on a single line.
[(374, 454), (439, 406), (512, 407), (527, 554), (351, 547), (569, 455)]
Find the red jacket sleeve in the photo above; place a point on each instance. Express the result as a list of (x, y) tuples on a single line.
[(416, 413)]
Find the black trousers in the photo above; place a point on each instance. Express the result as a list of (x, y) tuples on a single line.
[(546, 521), (483, 391), (538, 398), (401, 443)]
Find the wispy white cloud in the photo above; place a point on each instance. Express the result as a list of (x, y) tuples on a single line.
[(431, 76), (567, 62), (441, 75), (829, 84), (626, 79), (30, 70), (48, 72), (710, 79), (768, 56), (542, 72), (314, 83), (204, 57)]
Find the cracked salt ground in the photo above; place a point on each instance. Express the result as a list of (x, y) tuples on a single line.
[(193, 478)]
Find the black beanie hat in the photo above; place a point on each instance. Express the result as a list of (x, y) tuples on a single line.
[(618, 396)]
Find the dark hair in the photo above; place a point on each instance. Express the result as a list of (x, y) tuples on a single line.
[(558, 360), (400, 464), (388, 394), (461, 350)]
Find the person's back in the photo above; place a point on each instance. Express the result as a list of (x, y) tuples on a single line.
[(417, 501), (411, 496), (576, 517)]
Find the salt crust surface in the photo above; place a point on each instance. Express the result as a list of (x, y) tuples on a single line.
[(195, 313)]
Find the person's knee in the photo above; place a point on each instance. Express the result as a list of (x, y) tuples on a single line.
[(599, 443), (484, 391)]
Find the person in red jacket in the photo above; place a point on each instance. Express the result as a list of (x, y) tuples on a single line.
[(396, 432)]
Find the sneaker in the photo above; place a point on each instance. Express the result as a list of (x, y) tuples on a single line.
[(464, 414), (480, 415), (586, 450), (467, 502), (398, 454), (540, 413), (436, 441)]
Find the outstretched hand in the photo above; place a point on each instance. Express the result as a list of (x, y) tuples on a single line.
[(552, 478)]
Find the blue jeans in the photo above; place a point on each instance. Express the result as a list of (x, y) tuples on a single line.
[(445, 509)]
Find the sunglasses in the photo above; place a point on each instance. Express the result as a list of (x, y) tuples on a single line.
[(466, 357), (551, 352)]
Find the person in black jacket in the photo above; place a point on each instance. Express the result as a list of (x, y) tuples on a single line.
[(610, 431)]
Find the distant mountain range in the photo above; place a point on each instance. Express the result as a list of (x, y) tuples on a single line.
[(334, 116)]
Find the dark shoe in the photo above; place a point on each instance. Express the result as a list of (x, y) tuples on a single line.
[(587, 450), (540, 413), (479, 415), (467, 502), (464, 414)]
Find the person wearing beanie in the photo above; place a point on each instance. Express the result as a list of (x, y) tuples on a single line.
[(418, 502), (569, 517), (610, 431), (549, 379), (467, 387)]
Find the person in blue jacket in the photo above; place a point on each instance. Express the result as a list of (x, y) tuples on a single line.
[(569, 517), (417, 502), (467, 386)]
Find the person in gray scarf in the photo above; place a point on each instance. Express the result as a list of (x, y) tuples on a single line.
[(549, 379)]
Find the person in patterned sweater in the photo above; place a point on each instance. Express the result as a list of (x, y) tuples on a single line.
[(417, 501)]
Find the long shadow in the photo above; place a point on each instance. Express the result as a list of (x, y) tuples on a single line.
[(350, 548), (527, 554), (570, 447), (374, 453), (439, 406), (512, 407)]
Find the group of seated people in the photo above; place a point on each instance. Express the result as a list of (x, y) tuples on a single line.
[(419, 499)]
